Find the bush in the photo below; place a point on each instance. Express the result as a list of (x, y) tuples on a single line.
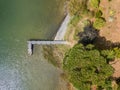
[(95, 3), (117, 52), (99, 23), (98, 14)]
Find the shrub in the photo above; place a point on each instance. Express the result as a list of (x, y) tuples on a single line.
[(112, 12), (99, 22), (117, 52), (95, 3), (98, 14)]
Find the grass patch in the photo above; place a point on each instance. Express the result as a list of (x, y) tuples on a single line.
[(74, 21), (69, 31), (75, 34), (55, 54)]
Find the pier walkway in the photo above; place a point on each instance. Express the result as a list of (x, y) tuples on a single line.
[(31, 43), (63, 28), (59, 38)]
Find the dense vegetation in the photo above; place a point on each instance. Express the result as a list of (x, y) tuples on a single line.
[(89, 9), (86, 66)]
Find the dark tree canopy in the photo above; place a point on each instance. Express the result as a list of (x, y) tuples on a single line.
[(85, 66), (88, 35)]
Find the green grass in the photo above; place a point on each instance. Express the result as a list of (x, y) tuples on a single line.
[(74, 21)]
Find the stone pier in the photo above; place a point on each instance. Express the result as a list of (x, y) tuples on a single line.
[(59, 38), (55, 42)]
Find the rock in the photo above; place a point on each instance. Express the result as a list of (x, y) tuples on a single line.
[(111, 19)]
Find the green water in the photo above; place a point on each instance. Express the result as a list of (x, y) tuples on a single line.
[(21, 20)]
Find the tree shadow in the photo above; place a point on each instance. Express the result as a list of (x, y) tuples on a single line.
[(103, 43), (91, 35)]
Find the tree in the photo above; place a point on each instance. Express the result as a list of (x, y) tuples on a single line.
[(88, 35), (85, 67)]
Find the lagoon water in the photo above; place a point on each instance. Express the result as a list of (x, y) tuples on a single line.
[(21, 20)]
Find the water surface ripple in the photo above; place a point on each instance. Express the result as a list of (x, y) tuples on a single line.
[(21, 20)]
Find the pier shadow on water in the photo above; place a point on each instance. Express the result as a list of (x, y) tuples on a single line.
[(40, 40), (43, 40)]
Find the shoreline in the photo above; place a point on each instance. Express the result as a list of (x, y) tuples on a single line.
[(55, 53), (59, 37)]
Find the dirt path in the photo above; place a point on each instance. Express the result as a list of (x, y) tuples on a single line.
[(112, 28), (116, 65), (111, 31)]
